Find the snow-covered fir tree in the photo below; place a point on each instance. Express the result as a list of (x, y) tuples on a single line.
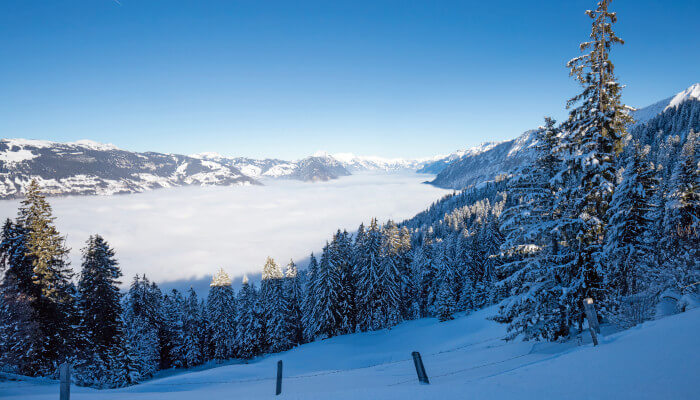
[(295, 296), (101, 351), (221, 317), (250, 325)]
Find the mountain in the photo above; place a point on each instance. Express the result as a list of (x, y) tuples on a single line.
[(87, 167), (312, 169), (438, 164), (643, 115), (486, 162), (354, 162), (90, 168)]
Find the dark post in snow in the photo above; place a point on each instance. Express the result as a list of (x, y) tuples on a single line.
[(592, 317), (278, 390), (420, 369), (64, 372)]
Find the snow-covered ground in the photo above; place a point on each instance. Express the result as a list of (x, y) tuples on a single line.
[(185, 233), (464, 359)]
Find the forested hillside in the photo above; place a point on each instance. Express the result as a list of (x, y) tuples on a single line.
[(600, 212)]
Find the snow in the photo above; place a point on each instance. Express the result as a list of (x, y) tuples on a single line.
[(17, 156), (28, 142), (464, 359), (93, 145), (644, 114), (692, 92)]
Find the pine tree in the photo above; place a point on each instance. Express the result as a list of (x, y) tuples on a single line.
[(192, 330), (294, 295), (391, 267), (629, 244), (172, 334), (21, 337), (250, 329), (275, 307), (221, 316), (143, 321), (53, 299), (594, 137), (327, 292), (682, 218), (100, 327), (368, 278), (310, 304), (344, 259)]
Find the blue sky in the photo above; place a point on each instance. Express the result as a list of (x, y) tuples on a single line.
[(284, 79)]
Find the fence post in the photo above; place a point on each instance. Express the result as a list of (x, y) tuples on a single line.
[(64, 373), (278, 390), (420, 368), (592, 318)]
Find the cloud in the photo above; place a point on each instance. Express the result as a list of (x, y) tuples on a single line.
[(188, 233)]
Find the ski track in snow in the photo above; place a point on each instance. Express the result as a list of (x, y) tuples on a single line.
[(464, 359)]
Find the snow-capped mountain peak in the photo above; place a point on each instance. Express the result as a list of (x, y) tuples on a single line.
[(644, 114), (692, 93)]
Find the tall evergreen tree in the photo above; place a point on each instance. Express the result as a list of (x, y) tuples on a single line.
[(100, 328), (221, 316), (594, 137), (295, 296), (53, 297), (629, 244), (250, 329)]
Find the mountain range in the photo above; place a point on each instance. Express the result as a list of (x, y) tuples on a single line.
[(87, 168)]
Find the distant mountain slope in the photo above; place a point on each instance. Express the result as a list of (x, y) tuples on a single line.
[(91, 168), (481, 166), (85, 167), (489, 161), (314, 168)]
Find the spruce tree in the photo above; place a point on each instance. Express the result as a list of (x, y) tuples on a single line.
[(192, 329), (295, 296), (53, 297), (682, 219), (629, 244), (594, 136), (250, 327), (277, 337), (310, 304), (221, 316), (100, 328)]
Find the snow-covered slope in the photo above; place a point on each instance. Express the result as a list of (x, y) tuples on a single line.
[(436, 165), (313, 169), (464, 359), (486, 162), (644, 114), (373, 163), (87, 167)]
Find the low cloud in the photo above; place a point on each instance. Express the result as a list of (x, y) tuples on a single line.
[(187, 233)]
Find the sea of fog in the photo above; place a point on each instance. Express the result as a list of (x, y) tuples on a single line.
[(185, 234)]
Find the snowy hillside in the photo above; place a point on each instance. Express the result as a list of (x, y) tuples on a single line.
[(464, 359), (486, 162), (86, 168)]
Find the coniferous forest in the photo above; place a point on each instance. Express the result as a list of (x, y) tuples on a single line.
[(608, 210)]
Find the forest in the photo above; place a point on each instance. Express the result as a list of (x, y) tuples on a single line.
[(608, 210)]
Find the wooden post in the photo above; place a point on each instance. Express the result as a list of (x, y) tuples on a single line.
[(420, 368), (278, 390), (64, 372), (592, 318)]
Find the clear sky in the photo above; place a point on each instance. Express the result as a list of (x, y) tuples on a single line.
[(284, 79)]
